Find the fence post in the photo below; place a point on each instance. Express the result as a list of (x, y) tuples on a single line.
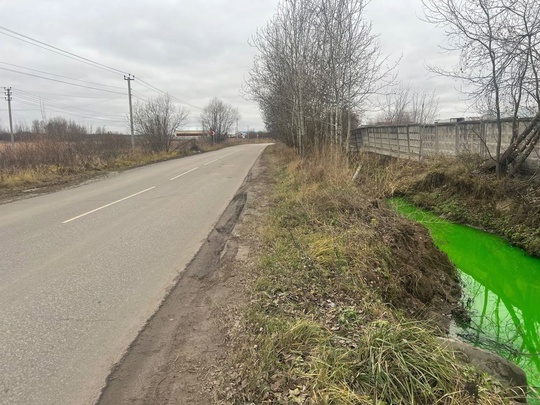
[(408, 143), (456, 147), (421, 142), (398, 145), (483, 144)]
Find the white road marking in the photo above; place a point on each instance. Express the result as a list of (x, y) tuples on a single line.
[(180, 175), (229, 154), (215, 160), (108, 205), (219, 158)]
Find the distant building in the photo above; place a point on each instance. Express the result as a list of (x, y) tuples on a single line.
[(191, 134), (460, 119)]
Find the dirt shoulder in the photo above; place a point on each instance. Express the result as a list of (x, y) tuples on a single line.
[(176, 359)]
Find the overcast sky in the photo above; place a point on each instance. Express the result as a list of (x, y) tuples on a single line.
[(193, 49)]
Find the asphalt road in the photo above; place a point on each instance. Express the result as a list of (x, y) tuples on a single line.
[(82, 269)]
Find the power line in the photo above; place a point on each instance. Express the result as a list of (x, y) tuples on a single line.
[(33, 100), (62, 52), (149, 86), (64, 77), (139, 96), (78, 115), (57, 50), (73, 107), (40, 44), (39, 93), (60, 81), (20, 109)]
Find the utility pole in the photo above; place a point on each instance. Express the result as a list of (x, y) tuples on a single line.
[(8, 95), (129, 78)]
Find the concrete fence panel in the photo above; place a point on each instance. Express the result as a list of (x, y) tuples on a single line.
[(447, 138)]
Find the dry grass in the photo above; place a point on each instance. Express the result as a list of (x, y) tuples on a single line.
[(43, 161), (453, 188), (337, 299)]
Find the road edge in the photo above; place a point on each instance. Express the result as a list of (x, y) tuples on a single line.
[(144, 354)]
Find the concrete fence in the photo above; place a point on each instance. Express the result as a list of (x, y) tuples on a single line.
[(448, 138)]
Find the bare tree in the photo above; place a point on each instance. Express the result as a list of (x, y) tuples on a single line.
[(219, 118), (157, 120), (317, 63), (408, 105), (424, 106), (498, 42)]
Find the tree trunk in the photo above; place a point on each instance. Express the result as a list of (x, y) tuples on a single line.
[(527, 150), (516, 153)]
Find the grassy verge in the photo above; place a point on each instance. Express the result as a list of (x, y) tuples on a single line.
[(509, 207), (346, 301)]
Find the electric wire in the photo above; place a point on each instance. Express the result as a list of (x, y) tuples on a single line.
[(66, 110), (151, 87), (32, 100), (22, 93), (78, 115), (40, 44), (57, 50), (74, 107), (40, 93), (64, 77), (71, 55), (51, 96), (61, 81)]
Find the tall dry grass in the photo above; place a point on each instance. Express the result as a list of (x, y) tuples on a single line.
[(337, 298), (60, 151)]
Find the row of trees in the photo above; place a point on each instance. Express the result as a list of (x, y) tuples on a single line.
[(317, 63), (158, 119), (499, 46)]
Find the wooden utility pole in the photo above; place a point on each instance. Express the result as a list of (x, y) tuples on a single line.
[(129, 78), (8, 95)]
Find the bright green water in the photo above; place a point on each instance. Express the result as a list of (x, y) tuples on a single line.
[(502, 289)]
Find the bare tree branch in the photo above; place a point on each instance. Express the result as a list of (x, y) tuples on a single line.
[(157, 120)]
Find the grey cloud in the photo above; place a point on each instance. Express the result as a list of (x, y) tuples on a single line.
[(194, 49)]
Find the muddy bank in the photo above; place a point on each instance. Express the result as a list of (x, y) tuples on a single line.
[(454, 189)]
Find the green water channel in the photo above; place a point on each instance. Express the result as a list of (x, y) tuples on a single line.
[(501, 289)]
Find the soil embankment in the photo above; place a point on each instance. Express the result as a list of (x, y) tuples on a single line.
[(453, 189)]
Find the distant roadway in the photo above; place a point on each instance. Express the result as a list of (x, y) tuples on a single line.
[(82, 269)]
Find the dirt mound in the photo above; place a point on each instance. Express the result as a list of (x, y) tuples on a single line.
[(340, 298), (428, 283)]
